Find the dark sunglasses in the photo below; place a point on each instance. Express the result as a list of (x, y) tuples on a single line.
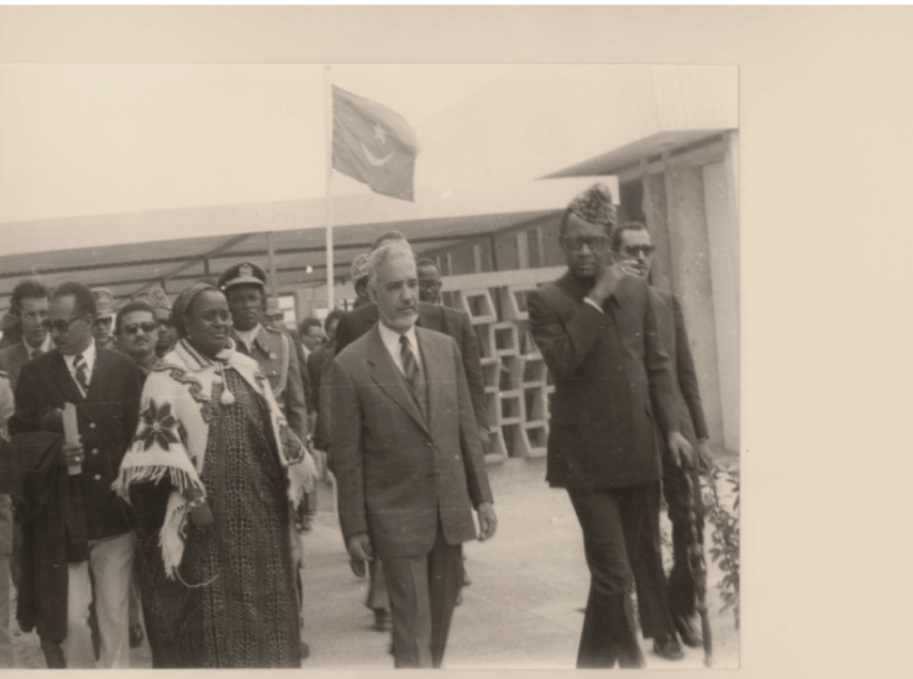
[(166, 323), (59, 325), (430, 285), (634, 250), (592, 242), (134, 328)]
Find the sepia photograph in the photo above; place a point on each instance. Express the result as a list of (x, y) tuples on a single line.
[(336, 360)]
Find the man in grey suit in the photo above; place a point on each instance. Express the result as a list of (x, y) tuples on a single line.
[(28, 303), (632, 244), (408, 459)]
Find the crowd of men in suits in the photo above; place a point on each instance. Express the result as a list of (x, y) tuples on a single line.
[(392, 394)]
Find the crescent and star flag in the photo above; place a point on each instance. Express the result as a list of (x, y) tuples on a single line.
[(373, 144)]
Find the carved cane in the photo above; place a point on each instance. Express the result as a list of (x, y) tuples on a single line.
[(697, 566)]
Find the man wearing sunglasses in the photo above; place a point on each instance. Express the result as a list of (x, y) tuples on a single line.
[(597, 331), (632, 244), (78, 542), (137, 331)]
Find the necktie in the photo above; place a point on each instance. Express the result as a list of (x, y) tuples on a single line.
[(410, 367), (82, 372)]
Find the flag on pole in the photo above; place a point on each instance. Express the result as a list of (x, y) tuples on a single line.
[(373, 144)]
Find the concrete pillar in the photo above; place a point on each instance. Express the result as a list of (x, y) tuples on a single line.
[(692, 283), (721, 204), (656, 213)]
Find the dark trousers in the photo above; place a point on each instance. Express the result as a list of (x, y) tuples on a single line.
[(423, 591), (621, 539), (682, 594)]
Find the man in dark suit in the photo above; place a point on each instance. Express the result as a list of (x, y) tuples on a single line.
[(29, 304), (631, 243), (64, 569), (596, 329), (408, 459)]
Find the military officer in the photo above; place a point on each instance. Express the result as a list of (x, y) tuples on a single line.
[(244, 286)]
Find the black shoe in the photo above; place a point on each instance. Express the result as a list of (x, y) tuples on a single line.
[(358, 567), (305, 650), (136, 636), (688, 631), (466, 580), (668, 648), (382, 619)]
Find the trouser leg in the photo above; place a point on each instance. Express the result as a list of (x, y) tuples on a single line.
[(111, 560), (6, 551), (407, 584), (378, 598), (445, 577), (78, 645), (682, 594), (639, 508), (136, 604), (609, 631)]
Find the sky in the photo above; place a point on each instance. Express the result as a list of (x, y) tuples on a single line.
[(83, 139)]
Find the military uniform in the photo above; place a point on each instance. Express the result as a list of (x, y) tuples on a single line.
[(274, 350)]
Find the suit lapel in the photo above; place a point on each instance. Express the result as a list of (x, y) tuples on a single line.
[(388, 377), (100, 372), (20, 357), (60, 374)]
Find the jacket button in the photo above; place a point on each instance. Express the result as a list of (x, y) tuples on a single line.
[(91, 425), (428, 443), (97, 477), (95, 451)]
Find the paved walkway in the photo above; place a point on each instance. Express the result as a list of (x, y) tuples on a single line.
[(523, 610)]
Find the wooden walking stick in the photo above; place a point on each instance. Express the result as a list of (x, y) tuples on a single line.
[(697, 565)]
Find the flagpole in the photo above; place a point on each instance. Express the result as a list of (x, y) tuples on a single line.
[(328, 118)]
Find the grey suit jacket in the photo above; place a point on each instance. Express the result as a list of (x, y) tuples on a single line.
[(398, 470)]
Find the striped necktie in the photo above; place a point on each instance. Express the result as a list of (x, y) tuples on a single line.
[(82, 372), (410, 366)]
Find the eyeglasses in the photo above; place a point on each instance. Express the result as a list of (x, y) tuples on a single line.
[(634, 250), (430, 285), (60, 325), (592, 242), (134, 328), (165, 323)]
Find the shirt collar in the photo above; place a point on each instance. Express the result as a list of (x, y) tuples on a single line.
[(88, 356), (248, 336), (390, 338), (45, 346)]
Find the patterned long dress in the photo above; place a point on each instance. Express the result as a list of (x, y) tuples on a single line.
[(235, 605)]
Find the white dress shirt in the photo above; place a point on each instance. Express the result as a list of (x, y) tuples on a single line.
[(89, 357), (390, 338), (248, 337)]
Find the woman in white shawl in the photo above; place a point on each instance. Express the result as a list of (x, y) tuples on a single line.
[(210, 476)]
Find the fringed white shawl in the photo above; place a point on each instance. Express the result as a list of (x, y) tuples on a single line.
[(179, 398)]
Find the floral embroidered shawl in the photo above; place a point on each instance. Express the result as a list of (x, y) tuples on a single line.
[(179, 399)]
